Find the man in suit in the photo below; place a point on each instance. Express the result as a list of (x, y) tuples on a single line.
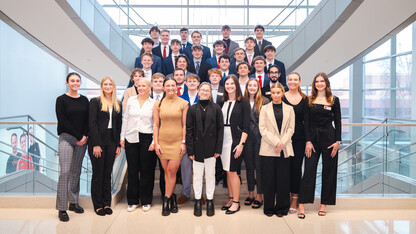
[(169, 62), (219, 47), (197, 65), (274, 75), (260, 41), (250, 43), (230, 45), (184, 32), (239, 56), (163, 50), (259, 63), (196, 40), (154, 33), (270, 52), (147, 44), (225, 67)]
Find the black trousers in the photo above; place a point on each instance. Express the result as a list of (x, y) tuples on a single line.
[(323, 138), (102, 168), (141, 170), (253, 165), (296, 165), (276, 184)]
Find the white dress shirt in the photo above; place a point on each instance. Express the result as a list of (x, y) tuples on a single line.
[(148, 75), (262, 78), (162, 47)]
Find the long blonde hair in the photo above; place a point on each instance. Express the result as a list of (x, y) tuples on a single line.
[(104, 103), (258, 98)]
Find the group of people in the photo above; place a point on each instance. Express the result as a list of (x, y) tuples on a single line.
[(206, 122), (27, 159)]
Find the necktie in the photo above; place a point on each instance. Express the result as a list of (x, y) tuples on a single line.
[(260, 44), (197, 67), (260, 81), (270, 65), (249, 59), (218, 62), (223, 77), (179, 91), (157, 97), (176, 57), (183, 47), (164, 52)]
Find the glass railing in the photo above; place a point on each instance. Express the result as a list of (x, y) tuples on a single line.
[(29, 162)]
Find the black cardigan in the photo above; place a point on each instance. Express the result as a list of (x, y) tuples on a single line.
[(204, 142), (239, 120)]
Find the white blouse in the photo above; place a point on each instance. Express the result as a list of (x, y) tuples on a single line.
[(137, 120)]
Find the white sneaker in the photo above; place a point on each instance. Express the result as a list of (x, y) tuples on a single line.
[(146, 207), (131, 208)]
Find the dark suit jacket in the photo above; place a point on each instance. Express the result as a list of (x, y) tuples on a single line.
[(203, 70), (185, 96), (263, 44), (265, 91), (239, 120), (220, 95), (213, 61), (188, 44), (167, 65), (206, 53), (204, 142), (98, 124), (156, 66), (233, 45), (266, 78), (254, 123), (282, 69), (157, 51)]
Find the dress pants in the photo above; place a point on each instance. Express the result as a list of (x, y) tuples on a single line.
[(186, 174), (70, 164), (141, 165), (198, 168), (253, 165), (276, 184), (296, 165)]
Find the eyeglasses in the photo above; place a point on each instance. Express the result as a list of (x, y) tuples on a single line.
[(204, 90)]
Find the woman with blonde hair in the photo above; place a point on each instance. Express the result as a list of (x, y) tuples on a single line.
[(104, 143)]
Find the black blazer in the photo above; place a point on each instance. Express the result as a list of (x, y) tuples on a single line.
[(265, 91), (254, 122), (204, 142), (98, 123), (239, 120), (263, 44), (158, 52), (203, 70), (220, 95)]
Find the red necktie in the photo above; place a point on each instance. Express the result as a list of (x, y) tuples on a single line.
[(179, 91), (218, 62), (261, 86), (164, 52)]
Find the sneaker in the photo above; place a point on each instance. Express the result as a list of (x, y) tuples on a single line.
[(131, 208), (146, 207)]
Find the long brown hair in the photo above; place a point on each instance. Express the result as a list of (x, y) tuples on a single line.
[(299, 89), (237, 88), (258, 98), (328, 92)]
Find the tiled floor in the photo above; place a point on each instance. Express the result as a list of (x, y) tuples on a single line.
[(246, 221)]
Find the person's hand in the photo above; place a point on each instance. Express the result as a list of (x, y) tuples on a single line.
[(158, 150), (122, 143), (216, 155), (118, 151), (277, 149), (238, 150), (192, 157), (335, 148), (182, 149), (308, 149), (96, 151), (82, 141), (151, 147)]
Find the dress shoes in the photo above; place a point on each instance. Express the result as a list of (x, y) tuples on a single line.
[(173, 204), (63, 216), (210, 208), (198, 208), (233, 211), (76, 208), (165, 207), (182, 199)]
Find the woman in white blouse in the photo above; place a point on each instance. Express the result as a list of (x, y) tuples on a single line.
[(137, 140)]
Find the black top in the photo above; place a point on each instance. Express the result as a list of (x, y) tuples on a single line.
[(204, 104), (72, 115), (300, 118), (278, 114)]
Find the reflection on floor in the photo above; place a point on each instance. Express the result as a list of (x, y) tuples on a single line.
[(248, 220)]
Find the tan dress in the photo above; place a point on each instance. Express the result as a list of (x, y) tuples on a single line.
[(170, 126)]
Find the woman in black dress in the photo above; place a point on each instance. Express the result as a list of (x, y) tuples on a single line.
[(324, 109)]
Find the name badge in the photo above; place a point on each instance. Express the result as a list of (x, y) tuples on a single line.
[(268, 93), (327, 108), (219, 93)]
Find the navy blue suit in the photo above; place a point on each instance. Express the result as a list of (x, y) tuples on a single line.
[(188, 44), (167, 66), (185, 96), (206, 53), (156, 66), (157, 51), (282, 69), (213, 61), (266, 79)]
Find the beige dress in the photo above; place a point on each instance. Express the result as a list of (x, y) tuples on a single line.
[(170, 126)]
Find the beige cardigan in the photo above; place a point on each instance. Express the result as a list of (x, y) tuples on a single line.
[(270, 132), (127, 94)]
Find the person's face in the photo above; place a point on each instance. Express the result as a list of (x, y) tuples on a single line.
[(229, 86), (204, 92), (243, 70), (196, 38), (107, 87), (276, 94), (31, 141), (250, 44), (147, 47), (23, 143), (184, 35), (147, 62), (157, 83), (170, 88), (259, 33), (74, 82), (164, 37), (270, 55), (182, 63), (274, 74), (137, 77), (192, 84), (226, 33), (259, 65), (252, 87), (143, 87), (219, 49), (224, 64), (215, 78), (14, 143), (175, 47), (179, 77), (154, 34), (293, 81), (197, 54), (239, 55), (320, 84)]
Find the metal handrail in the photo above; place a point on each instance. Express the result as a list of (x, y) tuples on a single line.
[(30, 154), (293, 10), (39, 140), (33, 122), (279, 13), (128, 15)]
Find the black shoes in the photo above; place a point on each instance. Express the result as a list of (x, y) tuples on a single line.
[(198, 208), (63, 216), (108, 210), (210, 208), (225, 207), (165, 207), (233, 211), (100, 211), (173, 204), (76, 208)]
